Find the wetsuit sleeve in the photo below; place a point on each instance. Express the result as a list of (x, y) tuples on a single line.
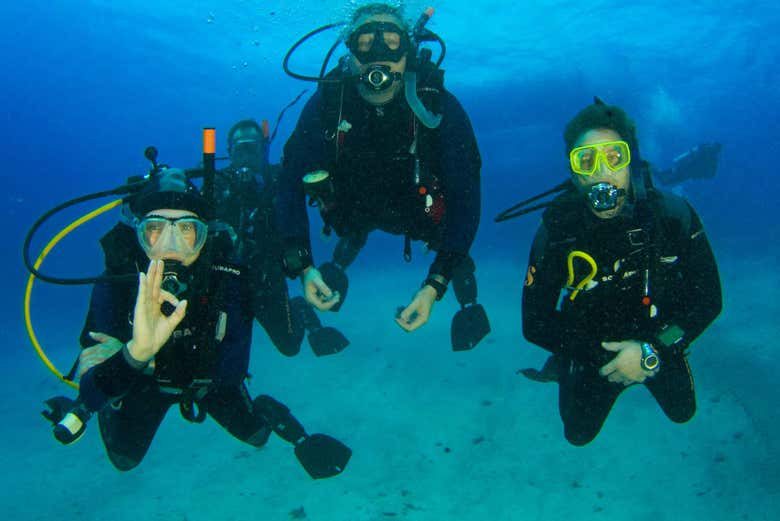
[(305, 151), (543, 324), (109, 314), (233, 364), (699, 301), (461, 164)]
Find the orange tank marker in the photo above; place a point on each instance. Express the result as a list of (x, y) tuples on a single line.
[(209, 141)]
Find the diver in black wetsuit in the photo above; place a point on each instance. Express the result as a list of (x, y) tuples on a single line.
[(700, 162), (245, 198), (372, 156), (621, 280), (181, 335)]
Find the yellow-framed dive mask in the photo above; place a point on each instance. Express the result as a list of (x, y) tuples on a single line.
[(584, 160)]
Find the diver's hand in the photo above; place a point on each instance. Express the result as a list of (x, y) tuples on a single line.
[(417, 313), (317, 293), (626, 367), (151, 328), (106, 347)]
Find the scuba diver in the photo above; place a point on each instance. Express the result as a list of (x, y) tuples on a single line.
[(621, 279), (382, 145), (179, 335), (700, 162), (245, 196)]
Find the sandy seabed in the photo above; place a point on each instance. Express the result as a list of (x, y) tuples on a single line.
[(436, 435)]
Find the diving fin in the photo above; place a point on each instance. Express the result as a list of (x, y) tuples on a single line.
[(469, 326), (327, 341), (322, 456), (336, 280), (548, 373), (68, 417), (322, 340)]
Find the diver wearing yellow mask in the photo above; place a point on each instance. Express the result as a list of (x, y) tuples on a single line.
[(621, 280)]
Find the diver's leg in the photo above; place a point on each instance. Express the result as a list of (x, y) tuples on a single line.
[(128, 425), (271, 303), (252, 421), (346, 252), (464, 282), (348, 248), (673, 388), (584, 401), (232, 407)]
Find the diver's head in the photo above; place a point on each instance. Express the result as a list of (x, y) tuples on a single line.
[(379, 43), (602, 148), (246, 145), (171, 218)]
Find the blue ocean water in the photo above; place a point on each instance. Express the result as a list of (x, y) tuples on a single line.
[(87, 85)]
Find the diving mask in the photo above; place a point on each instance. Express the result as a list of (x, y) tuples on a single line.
[(178, 238), (378, 42), (615, 155), (246, 152)]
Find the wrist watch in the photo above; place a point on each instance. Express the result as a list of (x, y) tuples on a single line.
[(649, 360)]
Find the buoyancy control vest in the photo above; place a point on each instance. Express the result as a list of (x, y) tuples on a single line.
[(384, 164), (190, 357), (637, 261)]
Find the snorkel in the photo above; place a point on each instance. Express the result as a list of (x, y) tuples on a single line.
[(420, 33)]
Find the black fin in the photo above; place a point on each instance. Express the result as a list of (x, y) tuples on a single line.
[(469, 326), (327, 341), (68, 417), (549, 372), (57, 408), (322, 456)]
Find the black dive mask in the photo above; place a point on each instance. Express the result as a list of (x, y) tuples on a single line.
[(604, 196), (390, 43), (246, 153)]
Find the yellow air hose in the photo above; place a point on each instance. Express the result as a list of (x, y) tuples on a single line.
[(570, 265), (28, 291)]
